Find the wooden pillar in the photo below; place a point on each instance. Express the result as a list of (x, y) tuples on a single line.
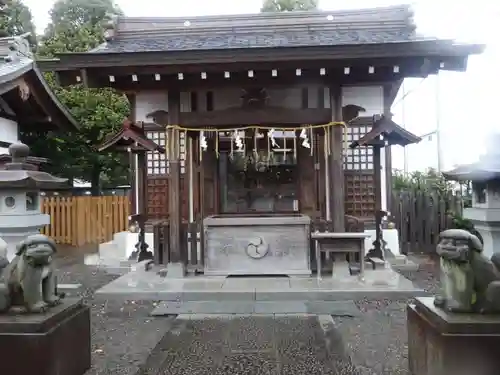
[(336, 165), (378, 201), (133, 161), (174, 183), (388, 149), (142, 176)]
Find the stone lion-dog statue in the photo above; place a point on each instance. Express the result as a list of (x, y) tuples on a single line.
[(30, 277), (470, 282)]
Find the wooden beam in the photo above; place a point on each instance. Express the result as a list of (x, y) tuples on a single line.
[(264, 116), (336, 159), (429, 48), (174, 185), (318, 71), (238, 80)]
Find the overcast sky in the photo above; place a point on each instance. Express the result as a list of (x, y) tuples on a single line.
[(465, 99)]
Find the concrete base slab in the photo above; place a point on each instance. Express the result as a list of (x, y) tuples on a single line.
[(174, 271), (336, 308), (148, 285)]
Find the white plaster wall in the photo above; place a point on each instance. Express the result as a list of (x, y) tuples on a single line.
[(8, 131), (149, 101), (370, 98)]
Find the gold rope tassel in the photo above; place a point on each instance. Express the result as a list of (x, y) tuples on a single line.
[(255, 151), (217, 144), (325, 144), (185, 144), (200, 138), (284, 144), (231, 153), (294, 144), (311, 137)]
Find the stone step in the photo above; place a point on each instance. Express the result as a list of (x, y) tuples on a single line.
[(110, 250), (336, 308), (136, 290)]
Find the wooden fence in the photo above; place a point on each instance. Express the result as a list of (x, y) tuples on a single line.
[(79, 221), (420, 216)]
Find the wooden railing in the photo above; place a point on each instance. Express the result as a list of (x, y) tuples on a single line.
[(79, 221)]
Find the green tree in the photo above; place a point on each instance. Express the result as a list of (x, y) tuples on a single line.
[(16, 19), (288, 5), (430, 180), (77, 26)]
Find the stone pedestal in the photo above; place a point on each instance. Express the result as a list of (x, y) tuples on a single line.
[(57, 342), (442, 343), (257, 245)]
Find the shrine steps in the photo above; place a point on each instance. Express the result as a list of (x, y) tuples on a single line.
[(337, 308)]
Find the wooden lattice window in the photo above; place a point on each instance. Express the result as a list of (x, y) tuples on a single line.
[(359, 158), (158, 164), (359, 194)]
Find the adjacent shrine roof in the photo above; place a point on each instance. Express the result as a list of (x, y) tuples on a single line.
[(486, 169), (392, 134), (131, 136), (25, 96)]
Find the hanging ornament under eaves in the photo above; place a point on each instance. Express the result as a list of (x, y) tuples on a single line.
[(270, 135), (238, 141), (203, 142), (305, 140)]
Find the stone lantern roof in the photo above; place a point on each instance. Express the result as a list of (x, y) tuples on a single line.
[(19, 174)]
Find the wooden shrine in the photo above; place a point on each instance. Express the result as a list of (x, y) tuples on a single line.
[(256, 113)]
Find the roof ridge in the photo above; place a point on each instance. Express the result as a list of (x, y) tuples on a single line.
[(278, 15), (14, 48), (396, 16)]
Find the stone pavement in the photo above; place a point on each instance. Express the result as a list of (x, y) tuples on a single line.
[(239, 345)]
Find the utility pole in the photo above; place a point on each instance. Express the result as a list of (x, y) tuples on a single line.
[(405, 149), (438, 129)]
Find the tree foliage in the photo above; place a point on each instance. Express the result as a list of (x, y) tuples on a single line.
[(16, 19), (288, 5), (430, 180), (77, 26)]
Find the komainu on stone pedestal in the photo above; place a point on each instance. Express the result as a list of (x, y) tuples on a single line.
[(30, 278), (470, 282)]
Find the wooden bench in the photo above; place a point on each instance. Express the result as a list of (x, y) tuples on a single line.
[(340, 243)]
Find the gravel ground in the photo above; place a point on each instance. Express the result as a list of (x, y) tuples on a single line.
[(123, 335), (377, 340)]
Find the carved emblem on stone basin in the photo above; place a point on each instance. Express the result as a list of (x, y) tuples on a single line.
[(257, 248)]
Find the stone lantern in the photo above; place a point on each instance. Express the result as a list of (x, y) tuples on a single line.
[(485, 178), (20, 204)]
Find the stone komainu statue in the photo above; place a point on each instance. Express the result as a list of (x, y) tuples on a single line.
[(30, 278), (470, 282)]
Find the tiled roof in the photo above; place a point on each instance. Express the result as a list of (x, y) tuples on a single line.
[(293, 29), (15, 58)]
